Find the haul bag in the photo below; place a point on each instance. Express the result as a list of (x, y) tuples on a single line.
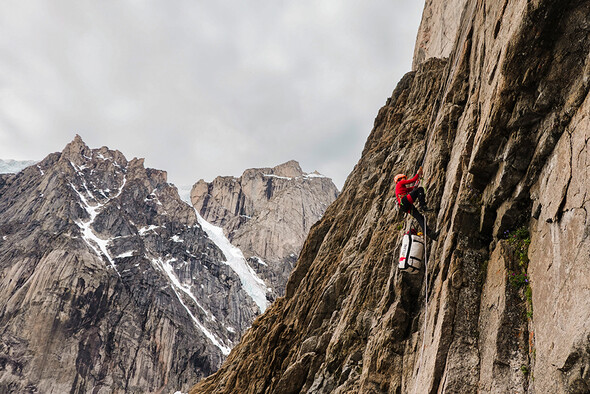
[(412, 253)]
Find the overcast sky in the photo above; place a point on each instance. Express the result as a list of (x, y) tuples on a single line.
[(202, 88)]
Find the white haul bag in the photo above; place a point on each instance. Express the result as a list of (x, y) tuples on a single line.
[(411, 254)]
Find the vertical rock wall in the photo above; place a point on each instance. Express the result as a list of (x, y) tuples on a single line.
[(502, 126), (438, 29)]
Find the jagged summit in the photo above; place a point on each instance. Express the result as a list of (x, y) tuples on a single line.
[(290, 169), (107, 280), (78, 152)]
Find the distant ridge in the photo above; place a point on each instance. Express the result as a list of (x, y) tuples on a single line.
[(14, 166)]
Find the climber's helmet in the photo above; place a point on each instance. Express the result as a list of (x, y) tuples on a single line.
[(399, 177)]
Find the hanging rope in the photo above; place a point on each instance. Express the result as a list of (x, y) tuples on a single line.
[(420, 360)]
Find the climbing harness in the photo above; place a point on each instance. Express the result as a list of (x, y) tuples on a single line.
[(398, 198)]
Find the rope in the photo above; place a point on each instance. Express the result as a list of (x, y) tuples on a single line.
[(420, 360)]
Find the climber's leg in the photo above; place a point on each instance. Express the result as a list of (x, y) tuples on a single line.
[(422, 222), (418, 216), (418, 195)]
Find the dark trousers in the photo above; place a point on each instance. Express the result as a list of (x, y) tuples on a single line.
[(415, 195)]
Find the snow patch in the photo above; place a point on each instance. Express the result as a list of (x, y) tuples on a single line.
[(99, 245), (276, 176), (185, 193), (15, 166), (305, 176), (154, 197), (144, 230), (176, 238), (126, 254), (314, 175), (252, 284), (260, 261), (167, 268)]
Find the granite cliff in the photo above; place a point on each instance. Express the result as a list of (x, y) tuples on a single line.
[(108, 283), (498, 114), (267, 213)]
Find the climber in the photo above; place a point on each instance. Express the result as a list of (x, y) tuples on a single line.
[(406, 194)]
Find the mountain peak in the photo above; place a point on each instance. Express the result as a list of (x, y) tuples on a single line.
[(76, 150), (290, 169), (78, 142), (116, 240)]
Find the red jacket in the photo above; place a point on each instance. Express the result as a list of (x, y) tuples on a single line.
[(401, 189)]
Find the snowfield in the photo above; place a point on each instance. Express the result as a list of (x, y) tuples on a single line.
[(252, 284)]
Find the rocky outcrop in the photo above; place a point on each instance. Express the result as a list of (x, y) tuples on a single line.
[(108, 284), (267, 213), (501, 127)]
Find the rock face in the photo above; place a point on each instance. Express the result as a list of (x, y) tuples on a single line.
[(438, 29), (267, 213), (108, 284), (502, 128)]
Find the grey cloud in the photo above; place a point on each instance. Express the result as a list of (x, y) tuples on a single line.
[(202, 88)]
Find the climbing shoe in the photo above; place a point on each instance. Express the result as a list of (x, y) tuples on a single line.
[(433, 234)]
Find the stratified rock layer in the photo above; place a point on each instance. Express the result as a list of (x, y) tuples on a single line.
[(107, 282), (267, 213), (502, 129)]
